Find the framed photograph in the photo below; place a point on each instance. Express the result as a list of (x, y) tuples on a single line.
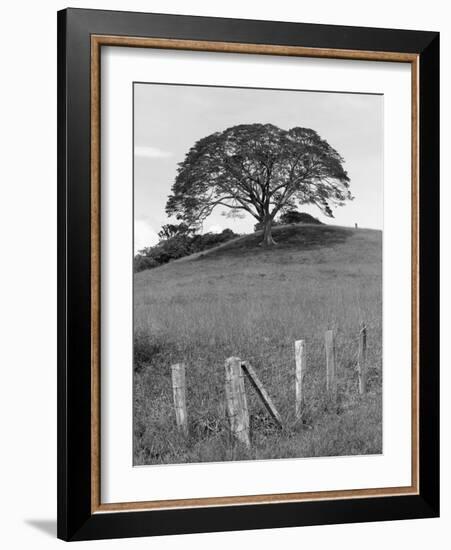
[(248, 274)]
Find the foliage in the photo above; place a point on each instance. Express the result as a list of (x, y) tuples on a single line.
[(143, 261), (177, 241), (174, 230), (259, 169), (260, 226), (293, 216)]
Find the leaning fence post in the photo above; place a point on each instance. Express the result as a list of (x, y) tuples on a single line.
[(330, 361), (179, 391), (262, 393), (236, 400), (299, 353), (361, 364)]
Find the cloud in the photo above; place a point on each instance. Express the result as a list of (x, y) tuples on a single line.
[(151, 152), (144, 235)]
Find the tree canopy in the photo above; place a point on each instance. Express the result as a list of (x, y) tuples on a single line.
[(260, 169)]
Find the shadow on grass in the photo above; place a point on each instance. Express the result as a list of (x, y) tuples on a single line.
[(299, 237)]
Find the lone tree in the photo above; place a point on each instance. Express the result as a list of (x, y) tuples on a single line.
[(260, 169)]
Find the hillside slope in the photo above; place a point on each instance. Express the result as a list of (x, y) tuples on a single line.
[(248, 301)]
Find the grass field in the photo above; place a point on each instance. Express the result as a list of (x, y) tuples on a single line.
[(246, 301)]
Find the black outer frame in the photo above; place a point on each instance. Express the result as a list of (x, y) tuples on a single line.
[(75, 520)]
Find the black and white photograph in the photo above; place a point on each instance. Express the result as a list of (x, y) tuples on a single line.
[(258, 219)]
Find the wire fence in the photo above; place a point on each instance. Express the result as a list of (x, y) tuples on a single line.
[(275, 368)]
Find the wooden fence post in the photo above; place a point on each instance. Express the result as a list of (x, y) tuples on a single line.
[(361, 364), (179, 392), (236, 400), (299, 353), (330, 361)]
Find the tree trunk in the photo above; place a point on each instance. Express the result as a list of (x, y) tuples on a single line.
[(267, 232)]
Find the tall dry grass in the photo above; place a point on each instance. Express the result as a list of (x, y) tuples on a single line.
[(253, 303)]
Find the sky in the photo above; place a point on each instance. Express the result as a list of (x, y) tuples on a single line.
[(169, 119)]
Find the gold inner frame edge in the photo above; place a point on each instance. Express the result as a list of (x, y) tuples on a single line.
[(97, 41)]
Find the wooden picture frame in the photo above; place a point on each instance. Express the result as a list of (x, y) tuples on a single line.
[(81, 35)]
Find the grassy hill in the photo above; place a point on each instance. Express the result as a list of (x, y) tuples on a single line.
[(247, 301)]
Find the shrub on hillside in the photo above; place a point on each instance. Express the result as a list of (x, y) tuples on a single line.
[(177, 244), (142, 262), (259, 226), (293, 216)]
